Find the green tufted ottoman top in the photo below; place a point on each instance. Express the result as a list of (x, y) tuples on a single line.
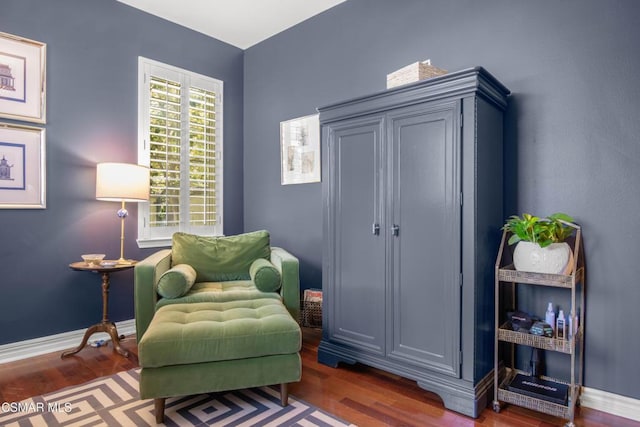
[(182, 334)]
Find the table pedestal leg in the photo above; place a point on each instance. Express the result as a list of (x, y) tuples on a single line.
[(109, 328), (104, 326)]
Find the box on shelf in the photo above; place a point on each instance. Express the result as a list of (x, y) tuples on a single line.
[(413, 73), (311, 314), (550, 391)]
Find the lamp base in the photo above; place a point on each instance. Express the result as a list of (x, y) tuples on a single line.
[(123, 261)]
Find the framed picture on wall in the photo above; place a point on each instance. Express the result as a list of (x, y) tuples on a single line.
[(22, 79), (300, 150), (22, 167)]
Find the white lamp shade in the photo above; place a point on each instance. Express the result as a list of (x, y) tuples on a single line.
[(122, 182)]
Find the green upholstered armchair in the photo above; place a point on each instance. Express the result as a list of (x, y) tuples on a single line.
[(216, 314)]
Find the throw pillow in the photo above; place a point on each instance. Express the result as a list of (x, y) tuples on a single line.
[(218, 259), (264, 275), (176, 281)]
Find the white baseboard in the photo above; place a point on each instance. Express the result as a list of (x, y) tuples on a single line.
[(599, 400), (64, 341), (610, 403)]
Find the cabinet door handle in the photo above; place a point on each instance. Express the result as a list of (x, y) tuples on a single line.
[(395, 230), (375, 229)]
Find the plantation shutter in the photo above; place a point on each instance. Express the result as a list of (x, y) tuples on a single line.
[(203, 157), (181, 134), (165, 133)]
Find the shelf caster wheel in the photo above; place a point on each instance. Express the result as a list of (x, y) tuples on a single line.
[(496, 406)]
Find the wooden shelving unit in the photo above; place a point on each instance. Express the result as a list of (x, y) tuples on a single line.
[(507, 279)]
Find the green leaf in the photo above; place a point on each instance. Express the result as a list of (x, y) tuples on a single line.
[(514, 239), (543, 231)]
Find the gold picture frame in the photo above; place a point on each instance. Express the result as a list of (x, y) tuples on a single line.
[(22, 79), (300, 150), (22, 167)]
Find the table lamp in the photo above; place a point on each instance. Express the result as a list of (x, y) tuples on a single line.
[(122, 182)]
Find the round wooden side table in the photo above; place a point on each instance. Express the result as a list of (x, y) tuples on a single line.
[(106, 325)]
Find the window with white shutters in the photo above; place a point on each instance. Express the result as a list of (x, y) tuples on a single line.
[(180, 134)]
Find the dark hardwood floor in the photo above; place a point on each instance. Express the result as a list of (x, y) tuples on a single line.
[(364, 396)]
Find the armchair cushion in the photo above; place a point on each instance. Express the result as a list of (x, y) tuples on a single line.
[(217, 259), (230, 290), (265, 275), (176, 281)]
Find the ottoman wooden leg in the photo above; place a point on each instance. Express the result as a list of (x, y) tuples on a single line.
[(284, 394), (159, 406)]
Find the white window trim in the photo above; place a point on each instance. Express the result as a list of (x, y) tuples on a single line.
[(186, 78)]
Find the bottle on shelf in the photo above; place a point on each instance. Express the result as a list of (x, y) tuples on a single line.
[(537, 362), (573, 325), (550, 317), (561, 326), (570, 327)]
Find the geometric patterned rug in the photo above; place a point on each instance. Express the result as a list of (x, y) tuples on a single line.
[(115, 401)]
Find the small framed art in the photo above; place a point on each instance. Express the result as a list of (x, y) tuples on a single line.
[(22, 167), (300, 150), (22, 79)]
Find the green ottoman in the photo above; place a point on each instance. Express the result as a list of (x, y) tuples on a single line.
[(215, 346)]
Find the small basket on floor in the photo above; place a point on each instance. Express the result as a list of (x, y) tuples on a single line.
[(311, 313)]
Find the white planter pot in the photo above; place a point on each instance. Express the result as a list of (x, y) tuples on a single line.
[(556, 258)]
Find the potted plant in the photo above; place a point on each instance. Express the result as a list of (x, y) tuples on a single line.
[(541, 246)]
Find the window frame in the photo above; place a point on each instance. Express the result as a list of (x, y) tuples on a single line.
[(162, 236)]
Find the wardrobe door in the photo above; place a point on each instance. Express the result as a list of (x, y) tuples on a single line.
[(356, 279), (424, 231)]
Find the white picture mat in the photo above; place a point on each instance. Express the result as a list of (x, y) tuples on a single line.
[(25, 61), (300, 150), (23, 147)]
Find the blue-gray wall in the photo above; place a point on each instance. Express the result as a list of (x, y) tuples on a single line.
[(572, 127), (93, 48), (571, 137)]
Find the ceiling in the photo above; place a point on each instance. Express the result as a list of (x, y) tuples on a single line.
[(241, 23)]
